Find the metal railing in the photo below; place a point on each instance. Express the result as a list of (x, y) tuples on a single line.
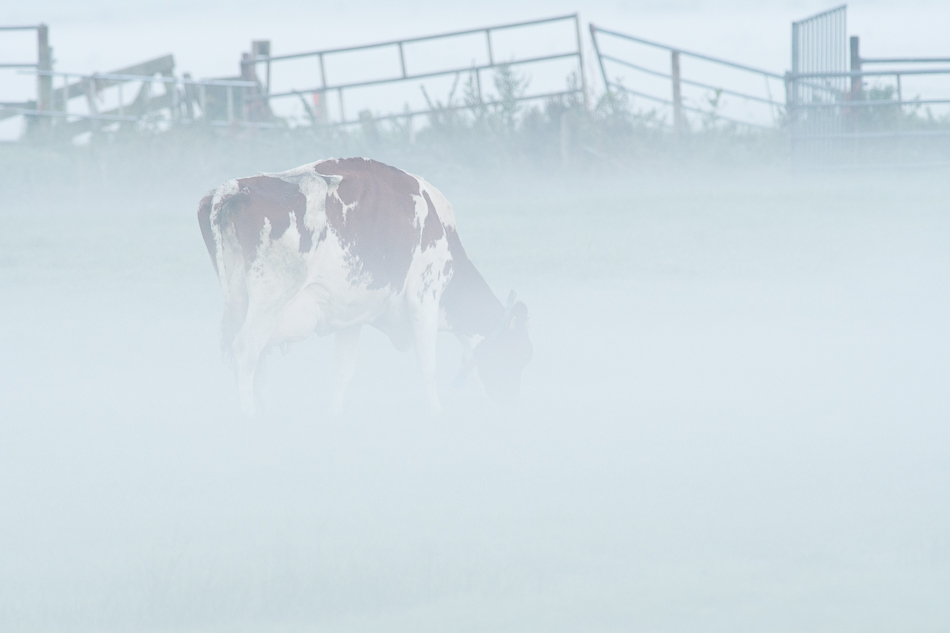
[(858, 121), (850, 104), (185, 99), (675, 76), (407, 74), (44, 62)]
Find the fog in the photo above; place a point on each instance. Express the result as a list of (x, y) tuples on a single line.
[(735, 418)]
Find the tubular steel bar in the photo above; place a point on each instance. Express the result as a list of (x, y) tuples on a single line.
[(405, 73), (20, 28), (678, 123), (159, 78), (424, 38), (439, 73), (699, 84), (684, 107), (888, 134), (600, 57), (707, 58), (905, 60), (871, 73), (822, 14), (413, 113), (62, 115), (870, 103), (580, 59)]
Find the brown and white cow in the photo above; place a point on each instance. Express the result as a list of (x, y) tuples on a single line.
[(332, 246)]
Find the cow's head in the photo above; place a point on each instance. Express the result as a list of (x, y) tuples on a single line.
[(501, 357)]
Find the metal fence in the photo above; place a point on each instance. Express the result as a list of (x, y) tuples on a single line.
[(41, 100), (833, 115), (631, 72), (402, 72), (860, 116), (160, 98), (67, 104), (182, 99)]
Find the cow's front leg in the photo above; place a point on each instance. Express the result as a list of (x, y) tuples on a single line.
[(344, 363), (426, 326)]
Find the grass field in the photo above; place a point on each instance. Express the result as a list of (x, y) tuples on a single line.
[(736, 420)]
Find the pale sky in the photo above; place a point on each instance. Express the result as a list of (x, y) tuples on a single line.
[(208, 37)]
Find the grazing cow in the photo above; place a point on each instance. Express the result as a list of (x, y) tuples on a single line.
[(335, 245)]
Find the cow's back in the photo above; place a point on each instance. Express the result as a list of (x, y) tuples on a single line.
[(380, 215)]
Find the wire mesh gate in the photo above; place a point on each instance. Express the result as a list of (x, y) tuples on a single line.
[(818, 85)]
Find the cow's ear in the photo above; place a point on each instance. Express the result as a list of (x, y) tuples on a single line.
[(333, 182), (519, 315), (511, 301)]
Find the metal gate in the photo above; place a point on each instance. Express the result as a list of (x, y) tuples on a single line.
[(818, 86)]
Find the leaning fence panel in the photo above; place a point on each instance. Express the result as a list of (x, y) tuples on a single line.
[(687, 90)]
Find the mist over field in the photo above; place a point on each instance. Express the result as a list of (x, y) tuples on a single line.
[(735, 420)]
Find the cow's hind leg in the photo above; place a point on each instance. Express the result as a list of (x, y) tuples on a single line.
[(344, 363), (248, 346)]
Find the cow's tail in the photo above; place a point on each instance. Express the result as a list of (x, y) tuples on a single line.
[(227, 258)]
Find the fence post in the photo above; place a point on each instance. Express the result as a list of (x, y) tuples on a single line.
[(176, 100), (203, 103), (89, 87), (44, 82), (677, 95), (855, 67), (600, 60), (565, 140), (402, 60), (580, 60), (147, 86)]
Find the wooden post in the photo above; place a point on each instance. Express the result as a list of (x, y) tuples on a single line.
[(147, 87), (261, 48), (677, 94), (565, 140), (188, 89), (89, 87), (248, 73), (176, 100)]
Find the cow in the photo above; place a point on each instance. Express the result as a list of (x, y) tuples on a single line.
[(331, 246)]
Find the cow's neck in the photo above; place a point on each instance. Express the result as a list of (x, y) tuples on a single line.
[(472, 311)]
